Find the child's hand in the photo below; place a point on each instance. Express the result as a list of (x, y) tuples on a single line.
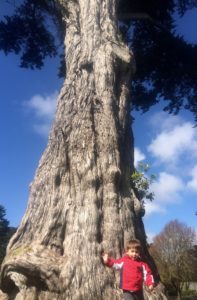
[(105, 257), (151, 287)]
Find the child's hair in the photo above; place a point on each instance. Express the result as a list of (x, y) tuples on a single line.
[(133, 244)]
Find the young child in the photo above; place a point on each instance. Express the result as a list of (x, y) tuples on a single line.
[(134, 272)]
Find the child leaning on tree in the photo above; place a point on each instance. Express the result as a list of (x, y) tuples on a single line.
[(133, 271)]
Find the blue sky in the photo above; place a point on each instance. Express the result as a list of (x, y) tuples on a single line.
[(168, 143)]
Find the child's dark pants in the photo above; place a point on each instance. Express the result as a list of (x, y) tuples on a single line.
[(133, 295)]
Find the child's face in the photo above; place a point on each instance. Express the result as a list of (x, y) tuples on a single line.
[(133, 253)]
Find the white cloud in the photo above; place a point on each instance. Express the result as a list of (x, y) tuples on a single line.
[(173, 156), (43, 106), (42, 128), (153, 207), (138, 156), (43, 109), (163, 121), (167, 190), (192, 184), (171, 143), (150, 236)]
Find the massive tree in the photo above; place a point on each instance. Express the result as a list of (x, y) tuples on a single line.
[(81, 200)]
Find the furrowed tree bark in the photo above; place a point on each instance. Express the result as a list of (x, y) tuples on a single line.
[(81, 199)]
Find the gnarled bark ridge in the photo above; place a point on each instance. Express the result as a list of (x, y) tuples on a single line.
[(81, 200)]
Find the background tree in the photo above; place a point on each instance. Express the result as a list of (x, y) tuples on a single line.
[(81, 199), (5, 232), (193, 257), (173, 250), (4, 229)]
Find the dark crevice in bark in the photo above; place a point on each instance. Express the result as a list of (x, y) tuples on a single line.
[(57, 180), (88, 66)]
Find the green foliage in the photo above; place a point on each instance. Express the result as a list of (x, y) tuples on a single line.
[(164, 59), (141, 182), (4, 229), (189, 293), (5, 232), (26, 33)]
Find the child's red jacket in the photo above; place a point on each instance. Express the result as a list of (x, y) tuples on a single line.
[(133, 273)]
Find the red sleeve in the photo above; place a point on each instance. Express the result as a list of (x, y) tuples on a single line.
[(115, 263), (147, 274)]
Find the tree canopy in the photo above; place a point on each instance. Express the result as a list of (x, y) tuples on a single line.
[(164, 59)]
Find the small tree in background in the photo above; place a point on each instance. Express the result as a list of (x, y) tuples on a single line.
[(172, 250), (4, 230)]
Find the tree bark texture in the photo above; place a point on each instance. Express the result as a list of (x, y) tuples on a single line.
[(81, 199)]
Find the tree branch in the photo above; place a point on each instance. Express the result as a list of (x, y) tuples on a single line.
[(142, 16)]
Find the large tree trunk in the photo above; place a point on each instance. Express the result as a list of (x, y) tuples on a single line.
[(81, 199)]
